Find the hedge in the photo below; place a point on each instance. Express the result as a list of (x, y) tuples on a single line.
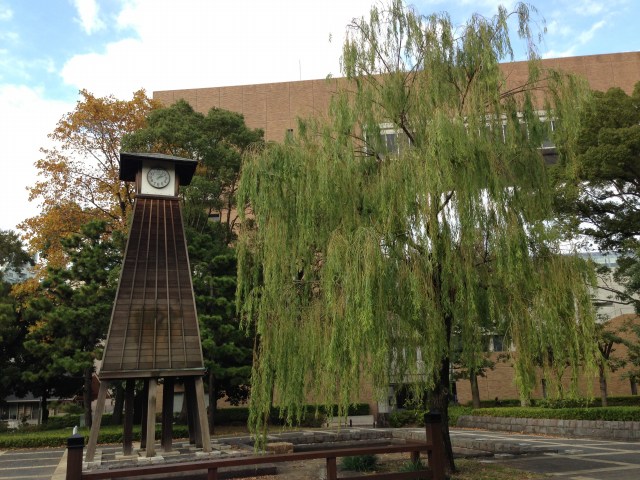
[(108, 434), (405, 418), (596, 413), (619, 401)]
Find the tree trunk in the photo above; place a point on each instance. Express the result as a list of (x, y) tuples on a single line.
[(603, 385), (475, 389), (88, 377), (439, 400), (116, 419), (634, 386), (213, 399), (44, 407)]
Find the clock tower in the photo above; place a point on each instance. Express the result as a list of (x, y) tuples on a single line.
[(154, 334)]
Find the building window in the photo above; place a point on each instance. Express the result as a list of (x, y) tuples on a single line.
[(393, 141), (497, 343), (289, 134)]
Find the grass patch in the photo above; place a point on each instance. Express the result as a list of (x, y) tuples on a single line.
[(475, 470), (360, 463), (468, 469)]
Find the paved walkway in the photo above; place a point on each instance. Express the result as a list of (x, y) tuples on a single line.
[(562, 458), (30, 464)]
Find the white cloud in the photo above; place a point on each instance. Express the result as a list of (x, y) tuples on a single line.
[(25, 120), (555, 27), (88, 11), (5, 13), (492, 5), (569, 52), (587, 35), (590, 7), (581, 39), (198, 43)]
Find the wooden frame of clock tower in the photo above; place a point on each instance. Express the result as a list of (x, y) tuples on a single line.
[(154, 334)]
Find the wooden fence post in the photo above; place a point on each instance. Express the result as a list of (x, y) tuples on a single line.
[(332, 468), (433, 426), (75, 444)]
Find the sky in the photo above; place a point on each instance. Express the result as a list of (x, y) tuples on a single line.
[(50, 49)]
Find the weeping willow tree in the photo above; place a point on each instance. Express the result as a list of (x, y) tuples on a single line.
[(419, 211)]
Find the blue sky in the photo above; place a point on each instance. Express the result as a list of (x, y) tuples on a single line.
[(49, 49)]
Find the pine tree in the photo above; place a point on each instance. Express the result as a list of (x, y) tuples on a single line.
[(71, 311)]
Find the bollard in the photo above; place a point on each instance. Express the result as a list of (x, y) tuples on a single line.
[(433, 427), (75, 444)]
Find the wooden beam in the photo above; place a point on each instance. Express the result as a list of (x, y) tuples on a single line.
[(151, 418), (143, 419), (97, 418), (192, 405), (127, 435), (167, 413), (202, 415)]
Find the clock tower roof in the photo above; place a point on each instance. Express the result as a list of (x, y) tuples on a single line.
[(131, 163)]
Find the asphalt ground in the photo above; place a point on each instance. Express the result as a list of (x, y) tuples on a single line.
[(29, 464), (562, 458)]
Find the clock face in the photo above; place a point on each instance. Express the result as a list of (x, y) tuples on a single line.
[(158, 177)]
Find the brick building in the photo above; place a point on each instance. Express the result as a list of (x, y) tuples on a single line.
[(274, 107)]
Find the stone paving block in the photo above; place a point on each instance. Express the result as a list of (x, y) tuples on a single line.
[(279, 447)]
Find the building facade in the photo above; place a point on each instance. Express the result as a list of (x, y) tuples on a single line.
[(274, 107)]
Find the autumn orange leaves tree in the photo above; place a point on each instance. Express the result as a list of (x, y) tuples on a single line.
[(83, 210), (78, 178)]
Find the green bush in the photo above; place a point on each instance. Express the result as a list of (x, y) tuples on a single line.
[(413, 467), (231, 416), (596, 413), (455, 412), (360, 463), (620, 401), (58, 438), (354, 409), (406, 418), (566, 403), (61, 421), (509, 402), (313, 416), (70, 408), (415, 418)]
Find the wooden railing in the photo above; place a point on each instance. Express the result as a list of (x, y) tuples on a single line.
[(433, 446)]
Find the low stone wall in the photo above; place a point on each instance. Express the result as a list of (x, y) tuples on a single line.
[(305, 437), (563, 428)]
